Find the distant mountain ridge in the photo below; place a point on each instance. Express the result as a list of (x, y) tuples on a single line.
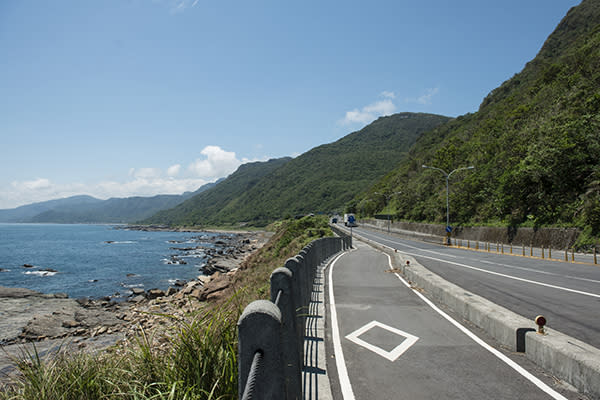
[(321, 180), (88, 209)]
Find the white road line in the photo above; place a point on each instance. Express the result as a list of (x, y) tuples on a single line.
[(547, 389), (516, 278), (340, 363), (393, 355)]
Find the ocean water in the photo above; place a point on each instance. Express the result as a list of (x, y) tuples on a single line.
[(97, 260)]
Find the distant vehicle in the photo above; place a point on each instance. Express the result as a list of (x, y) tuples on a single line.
[(334, 220), (349, 220)]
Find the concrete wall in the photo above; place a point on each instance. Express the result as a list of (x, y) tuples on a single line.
[(557, 238)]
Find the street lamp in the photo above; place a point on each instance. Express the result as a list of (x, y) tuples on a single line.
[(387, 199), (447, 175)]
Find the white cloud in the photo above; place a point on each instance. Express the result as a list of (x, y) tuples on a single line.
[(36, 184), (173, 170), (177, 6), (424, 99), (144, 173), (372, 111), (216, 164)]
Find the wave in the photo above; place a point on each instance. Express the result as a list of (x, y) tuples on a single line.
[(119, 242), (133, 285), (41, 273)]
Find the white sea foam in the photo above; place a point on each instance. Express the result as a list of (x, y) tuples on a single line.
[(133, 285), (40, 273), (194, 255)]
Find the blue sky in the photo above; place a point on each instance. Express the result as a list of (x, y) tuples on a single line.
[(115, 98)]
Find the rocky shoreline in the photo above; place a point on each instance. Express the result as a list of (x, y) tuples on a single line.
[(52, 321)]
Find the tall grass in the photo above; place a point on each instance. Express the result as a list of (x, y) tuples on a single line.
[(200, 362)]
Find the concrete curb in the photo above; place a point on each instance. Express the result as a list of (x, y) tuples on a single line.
[(569, 359)]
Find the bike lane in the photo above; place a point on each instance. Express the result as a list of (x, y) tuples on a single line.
[(386, 342)]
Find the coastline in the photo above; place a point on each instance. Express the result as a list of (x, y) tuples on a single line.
[(52, 321)]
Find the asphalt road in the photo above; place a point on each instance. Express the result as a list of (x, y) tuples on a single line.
[(567, 294), (389, 343)]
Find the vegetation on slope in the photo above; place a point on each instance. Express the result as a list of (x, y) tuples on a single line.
[(198, 210), (535, 145), (200, 359), (320, 180)]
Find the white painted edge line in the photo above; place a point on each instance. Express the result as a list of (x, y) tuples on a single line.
[(523, 372), (390, 355), (340, 362), (516, 278)]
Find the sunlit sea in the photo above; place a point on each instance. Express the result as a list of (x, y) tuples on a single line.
[(96, 260)]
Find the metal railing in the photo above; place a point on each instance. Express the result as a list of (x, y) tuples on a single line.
[(271, 333)]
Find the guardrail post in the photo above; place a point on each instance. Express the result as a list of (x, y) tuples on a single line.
[(531, 250), (284, 287), (259, 330)]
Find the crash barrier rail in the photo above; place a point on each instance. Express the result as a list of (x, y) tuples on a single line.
[(567, 254), (271, 333)]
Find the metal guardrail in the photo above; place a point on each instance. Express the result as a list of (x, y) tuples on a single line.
[(271, 333)]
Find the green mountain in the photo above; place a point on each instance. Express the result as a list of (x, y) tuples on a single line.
[(320, 180), (199, 209), (534, 142)]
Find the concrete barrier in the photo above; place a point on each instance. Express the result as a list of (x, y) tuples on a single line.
[(271, 333)]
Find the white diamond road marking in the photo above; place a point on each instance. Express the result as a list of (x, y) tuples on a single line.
[(390, 355)]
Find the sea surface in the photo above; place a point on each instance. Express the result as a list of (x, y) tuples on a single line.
[(97, 260)]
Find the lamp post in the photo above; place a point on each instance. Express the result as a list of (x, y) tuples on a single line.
[(387, 199), (447, 175)]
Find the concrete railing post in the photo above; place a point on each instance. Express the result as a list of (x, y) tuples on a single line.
[(284, 287), (273, 334), (295, 265), (259, 330)]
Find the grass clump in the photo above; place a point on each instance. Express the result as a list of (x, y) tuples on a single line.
[(198, 362)]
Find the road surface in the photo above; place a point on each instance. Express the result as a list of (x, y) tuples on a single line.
[(567, 294), (387, 341)]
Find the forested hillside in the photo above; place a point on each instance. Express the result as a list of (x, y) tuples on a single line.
[(535, 145), (320, 180), (200, 208)]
